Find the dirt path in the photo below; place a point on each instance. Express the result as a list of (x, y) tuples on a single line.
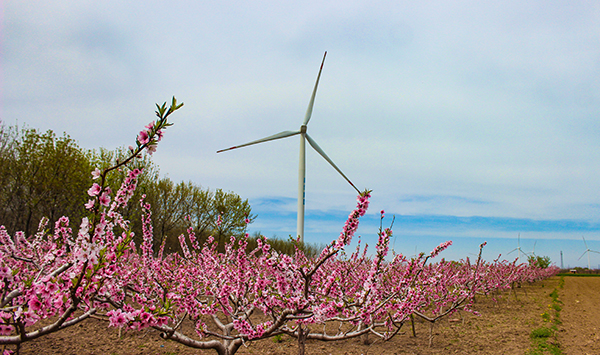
[(580, 330), (503, 328)]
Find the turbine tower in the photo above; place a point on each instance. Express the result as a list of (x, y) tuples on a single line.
[(587, 250), (561, 260), (302, 166)]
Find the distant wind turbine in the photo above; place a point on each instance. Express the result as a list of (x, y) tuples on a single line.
[(587, 250), (302, 166), (533, 251), (518, 248)]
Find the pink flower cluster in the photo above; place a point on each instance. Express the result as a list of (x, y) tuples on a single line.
[(64, 277), (149, 137), (351, 224)]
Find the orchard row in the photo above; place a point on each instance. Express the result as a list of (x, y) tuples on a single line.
[(232, 294)]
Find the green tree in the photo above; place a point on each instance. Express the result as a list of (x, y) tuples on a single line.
[(170, 205), (177, 206), (234, 212), (540, 261), (42, 175)]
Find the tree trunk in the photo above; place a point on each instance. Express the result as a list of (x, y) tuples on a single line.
[(365, 339), (302, 335)]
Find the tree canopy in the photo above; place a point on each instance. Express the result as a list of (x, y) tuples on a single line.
[(45, 175)]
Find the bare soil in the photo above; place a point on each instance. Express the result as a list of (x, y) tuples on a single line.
[(503, 327), (580, 329)]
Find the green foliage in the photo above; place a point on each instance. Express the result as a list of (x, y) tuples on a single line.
[(177, 207), (546, 316), (542, 332), (544, 338), (41, 175), (287, 246), (541, 262)]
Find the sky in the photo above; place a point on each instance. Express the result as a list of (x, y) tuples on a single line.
[(471, 121)]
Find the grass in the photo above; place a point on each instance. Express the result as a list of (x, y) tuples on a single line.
[(541, 333), (543, 339)]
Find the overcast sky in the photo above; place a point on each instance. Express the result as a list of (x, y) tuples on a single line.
[(469, 120)]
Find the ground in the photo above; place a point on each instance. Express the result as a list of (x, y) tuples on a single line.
[(580, 330), (504, 327)]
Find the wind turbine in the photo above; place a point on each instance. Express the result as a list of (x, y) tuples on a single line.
[(533, 251), (518, 248), (532, 256), (587, 250), (302, 166)]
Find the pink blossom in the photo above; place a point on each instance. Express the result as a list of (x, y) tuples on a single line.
[(96, 173), (117, 318), (440, 248), (94, 190), (100, 229), (90, 204), (104, 199), (143, 137), (151, 149), (146, 318), (5, 330), (34, 304), (58, 302), (85, 225), (5, 272)]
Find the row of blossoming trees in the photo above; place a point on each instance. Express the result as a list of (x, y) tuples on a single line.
[(50, 281)]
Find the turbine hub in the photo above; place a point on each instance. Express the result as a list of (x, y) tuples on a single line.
[(303, 128)]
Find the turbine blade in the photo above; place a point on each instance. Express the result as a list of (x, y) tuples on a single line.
[(584, 242), (314, 93), (582, 254), (512, 251), (593, 251), (320, 151), (279, 135)]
